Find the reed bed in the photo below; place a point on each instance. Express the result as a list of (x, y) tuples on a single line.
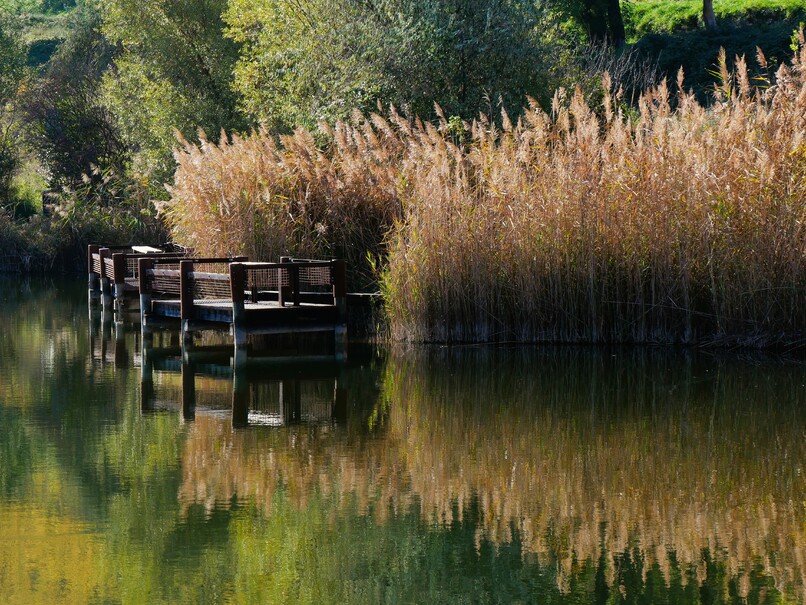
[(264, 197), (670, 223)]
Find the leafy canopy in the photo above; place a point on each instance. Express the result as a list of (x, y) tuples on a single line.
[(173, 72), (309, 60)]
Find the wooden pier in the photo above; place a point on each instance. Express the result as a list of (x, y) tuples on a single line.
[(113, 273), (268, 392), (242, 298)]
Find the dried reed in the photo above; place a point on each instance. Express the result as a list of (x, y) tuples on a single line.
[(671, 223)]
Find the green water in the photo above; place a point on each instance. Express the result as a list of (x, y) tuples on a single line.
[(467, 475)]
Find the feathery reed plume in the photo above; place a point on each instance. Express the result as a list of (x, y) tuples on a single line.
[(674, 223)]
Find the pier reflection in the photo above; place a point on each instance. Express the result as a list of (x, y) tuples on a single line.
[(261, 392), (107, 338)]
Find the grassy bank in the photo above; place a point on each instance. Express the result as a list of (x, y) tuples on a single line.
[(671, 35), (644, 17), (684, 225)]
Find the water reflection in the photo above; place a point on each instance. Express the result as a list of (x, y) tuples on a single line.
[(258, 393), (678, 455), (605, 466), (129, 473)]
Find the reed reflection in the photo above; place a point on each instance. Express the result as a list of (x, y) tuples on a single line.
[(605, 465), (678, 455)]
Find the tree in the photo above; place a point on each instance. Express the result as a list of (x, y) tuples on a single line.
[(601, 19), (310, 60), (67, 124), (174, 72), (708, 16)]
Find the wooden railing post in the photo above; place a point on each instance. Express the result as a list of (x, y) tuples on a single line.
[(186, 312), (282, 291), (93, 279), (92, 276), (293, 279), (237, 282), (339, 273), (144, 266)]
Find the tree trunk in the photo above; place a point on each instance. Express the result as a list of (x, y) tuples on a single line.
[(708, 16), (616, 23), (594, 16)]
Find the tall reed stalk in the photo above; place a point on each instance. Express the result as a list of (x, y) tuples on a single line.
[(670, 223)]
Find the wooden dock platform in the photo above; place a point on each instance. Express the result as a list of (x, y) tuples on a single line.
[(243, 298)]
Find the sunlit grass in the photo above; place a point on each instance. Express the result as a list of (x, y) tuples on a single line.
[(665, 16)]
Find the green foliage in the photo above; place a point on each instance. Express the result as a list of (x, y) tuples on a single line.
[(173, 73), (12, 60), (110, 207), (12, 70), (36, 9), (149, 130), (17, 7), (314, 60), (67, 125)]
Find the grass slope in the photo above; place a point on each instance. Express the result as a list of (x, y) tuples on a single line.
[(671, 35), (646, 17)]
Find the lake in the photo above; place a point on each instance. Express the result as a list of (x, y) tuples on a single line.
[(406, 475)]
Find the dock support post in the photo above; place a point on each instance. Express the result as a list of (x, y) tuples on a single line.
[(339, 273), (106, 287), (107, 319), (119, 281), (186, 313), (93, 279), (237, 280), (144, 266)]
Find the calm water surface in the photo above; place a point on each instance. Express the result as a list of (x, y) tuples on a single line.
[(406, 476)]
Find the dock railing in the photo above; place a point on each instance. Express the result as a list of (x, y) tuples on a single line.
[(291, 282), (183, 278), (290, 296), (113, 270)]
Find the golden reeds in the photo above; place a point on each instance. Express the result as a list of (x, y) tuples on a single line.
[(263, 197), (668, 223)]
